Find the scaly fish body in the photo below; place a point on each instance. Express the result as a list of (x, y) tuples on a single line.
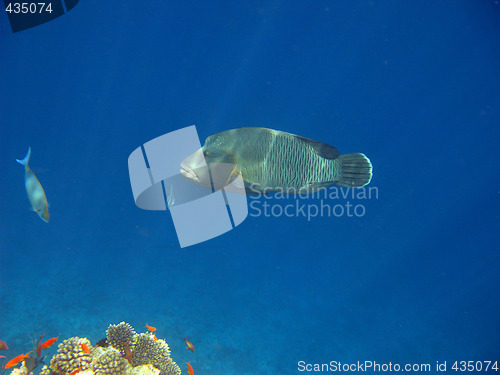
[(85, 348), (271, 160), (150, 328), (128, 352), (47, 344), (14, 361), (34, 189), (189, 345), (3, 345)]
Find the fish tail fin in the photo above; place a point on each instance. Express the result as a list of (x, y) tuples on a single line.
[(26, 159), (356, 170)]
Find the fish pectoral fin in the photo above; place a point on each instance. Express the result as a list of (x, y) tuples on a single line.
[(232, 176), (322, 149), (234, 184), (223, 174)]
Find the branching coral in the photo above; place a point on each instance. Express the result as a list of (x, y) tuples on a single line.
[(120, 335), (109, 362), (128, 353), (70, 356), (144, 370), (147, 350), (23, 370), (45, 370)]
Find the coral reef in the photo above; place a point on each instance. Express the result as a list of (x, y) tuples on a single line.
[(70, 356), (157, 353), (120, 335), (23, 370), (109, 362), (144, 370), (102, 342), (128, 353)]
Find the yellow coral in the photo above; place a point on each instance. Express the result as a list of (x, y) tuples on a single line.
[(148, 351), (45, 370), (144, 370), (109, 362), (23, 370), (150, 356), (120, 335), (70, 356)]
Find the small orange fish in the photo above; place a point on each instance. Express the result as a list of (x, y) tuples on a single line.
[(189, 345), (156, 338), (85, 348), (3, 345), (49, 342), (75, 371), (128, 352), (190, 369), (151, 329), (14, 361)]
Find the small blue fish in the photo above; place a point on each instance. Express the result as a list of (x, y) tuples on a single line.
[(36, 195)]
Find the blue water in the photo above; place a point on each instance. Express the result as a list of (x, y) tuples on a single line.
[(413, 85)]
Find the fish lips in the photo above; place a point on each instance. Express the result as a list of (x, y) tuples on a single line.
[(199, 176), (189, 173), (195, 169), (214, 176)]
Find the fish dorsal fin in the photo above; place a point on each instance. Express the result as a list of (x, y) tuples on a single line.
[(322, 149)]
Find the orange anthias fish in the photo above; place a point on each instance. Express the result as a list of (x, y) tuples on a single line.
[(190, 369), (49, 342), (75, 371), (14, 361), (85, 348), (189, 345), (3, 345), (128, 352), (151, 329)]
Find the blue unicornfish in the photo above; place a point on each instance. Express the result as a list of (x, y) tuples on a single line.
[(36, 195)]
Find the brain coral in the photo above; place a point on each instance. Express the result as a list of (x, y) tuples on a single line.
[(109, 362), (157, 353), (119, 335), (70, 356)]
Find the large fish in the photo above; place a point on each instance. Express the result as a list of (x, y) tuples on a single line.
[(271, 161), (36, 195)]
